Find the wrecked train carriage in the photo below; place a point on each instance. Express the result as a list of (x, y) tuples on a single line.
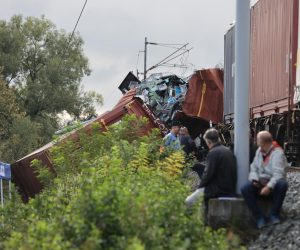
[(274, 75), (194, 102), (23, 175)]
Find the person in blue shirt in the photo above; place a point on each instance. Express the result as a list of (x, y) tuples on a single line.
[(172, 139)]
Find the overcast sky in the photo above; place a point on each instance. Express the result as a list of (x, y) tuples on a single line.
[(114, 32)]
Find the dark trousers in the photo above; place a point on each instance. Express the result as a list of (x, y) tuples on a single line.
[(251, 195)]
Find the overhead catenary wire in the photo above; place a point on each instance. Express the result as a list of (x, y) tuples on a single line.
[(178, 47), (186, 51), (167, 44), (170, 65), (72, 34), (78, 19), (163, 60), (172, 58)]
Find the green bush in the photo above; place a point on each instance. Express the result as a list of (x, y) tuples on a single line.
[(112, 192)]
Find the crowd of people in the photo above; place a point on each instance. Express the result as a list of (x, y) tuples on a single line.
[(218, 177)]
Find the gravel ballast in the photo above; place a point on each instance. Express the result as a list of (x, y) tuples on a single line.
[(287, 234)]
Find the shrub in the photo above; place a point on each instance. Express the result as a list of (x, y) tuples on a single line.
[(114, 192)]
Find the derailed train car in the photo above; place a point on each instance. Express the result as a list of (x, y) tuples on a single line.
[(197, 107), (274, 74), (23, 174)]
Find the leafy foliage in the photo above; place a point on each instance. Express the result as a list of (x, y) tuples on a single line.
[(18, 134), (42, 68), (112, 193)]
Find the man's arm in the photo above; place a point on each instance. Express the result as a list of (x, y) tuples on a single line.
[(167, 140), (209, 170), (278, 166), (253, 176)]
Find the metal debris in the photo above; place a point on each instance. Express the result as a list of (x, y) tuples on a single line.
[(164, 94)]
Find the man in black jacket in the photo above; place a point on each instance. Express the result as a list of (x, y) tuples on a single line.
[(220, 174)]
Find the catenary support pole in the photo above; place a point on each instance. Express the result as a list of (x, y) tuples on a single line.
[(145, 59), (2, 198), (9, 189), (241, 91)]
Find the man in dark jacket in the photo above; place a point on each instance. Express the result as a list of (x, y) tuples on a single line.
[(220, 174)]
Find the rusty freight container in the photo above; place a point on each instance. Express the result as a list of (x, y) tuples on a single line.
[(273, 59), (274, 74), (274, 35), (204, 98), (22, 173)]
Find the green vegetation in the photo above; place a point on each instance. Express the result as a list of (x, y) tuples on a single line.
[(41, 68), (112, 190)]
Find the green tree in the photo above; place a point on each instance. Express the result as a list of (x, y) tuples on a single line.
[(42, 68), (46, 64), (9, 109), (18, 134)]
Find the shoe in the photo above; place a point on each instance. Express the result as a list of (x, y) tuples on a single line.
[(274, 219), (261, 222)]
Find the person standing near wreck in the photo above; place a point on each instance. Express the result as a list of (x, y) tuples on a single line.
[(172, 139), (266, 179), (220, 174), (186, 141)]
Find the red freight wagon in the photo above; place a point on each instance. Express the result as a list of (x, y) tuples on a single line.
[(23, 175), (274, 73), (274, 35)]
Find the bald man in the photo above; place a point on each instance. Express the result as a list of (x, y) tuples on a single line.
[(266, 179)]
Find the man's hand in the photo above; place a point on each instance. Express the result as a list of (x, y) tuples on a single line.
[(265, 191), (255, 183)]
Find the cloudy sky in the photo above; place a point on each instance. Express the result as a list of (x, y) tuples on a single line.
[(114, 32)]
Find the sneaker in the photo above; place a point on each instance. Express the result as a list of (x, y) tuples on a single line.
[(261, 222), (274, 219)]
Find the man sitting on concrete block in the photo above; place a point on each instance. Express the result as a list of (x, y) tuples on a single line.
[(266, 179), (219, 176)]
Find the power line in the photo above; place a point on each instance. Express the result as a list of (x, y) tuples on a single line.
[(78, 20), (186, 51), (167, 44), (163, 60), (72, 34)]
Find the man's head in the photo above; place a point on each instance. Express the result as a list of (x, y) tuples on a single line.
[(183, 131), (211, 137), (175, 127), (264, 140)]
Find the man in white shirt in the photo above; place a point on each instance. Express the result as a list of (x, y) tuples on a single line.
[(266, 179)]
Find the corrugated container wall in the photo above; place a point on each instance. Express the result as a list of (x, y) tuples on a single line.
[(273, 55), (204, 98), (229, 67)]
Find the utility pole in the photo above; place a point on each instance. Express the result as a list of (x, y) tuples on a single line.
[(241, 91), (145, 59)]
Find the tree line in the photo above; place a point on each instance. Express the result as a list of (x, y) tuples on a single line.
[(41, 69)]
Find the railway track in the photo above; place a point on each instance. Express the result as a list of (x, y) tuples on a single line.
[(293, 169)]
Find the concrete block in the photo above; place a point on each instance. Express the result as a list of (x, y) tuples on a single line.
[(224, 212)]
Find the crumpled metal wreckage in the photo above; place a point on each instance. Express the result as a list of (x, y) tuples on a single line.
[(164, 94)]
